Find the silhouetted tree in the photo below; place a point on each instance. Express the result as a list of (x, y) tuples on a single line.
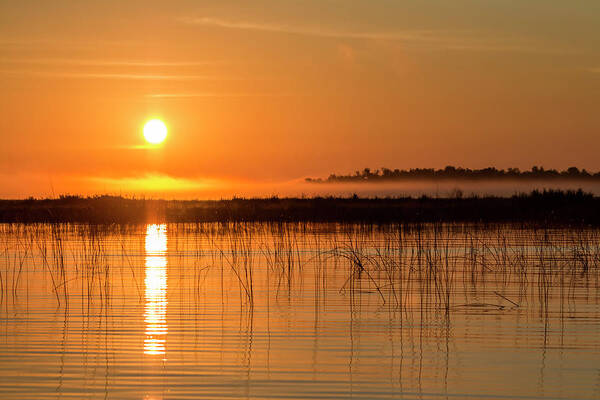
[(451, 172)]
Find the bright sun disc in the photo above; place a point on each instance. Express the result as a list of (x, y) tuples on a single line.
[(155, 131)]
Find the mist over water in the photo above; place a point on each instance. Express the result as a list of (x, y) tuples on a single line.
[(440, 189), (446, 188), (214, 189)]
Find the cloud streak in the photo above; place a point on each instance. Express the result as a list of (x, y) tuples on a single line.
[(123, 76), (426, 39), (109, 63), (153, 182), (213, 95), (310, 31)]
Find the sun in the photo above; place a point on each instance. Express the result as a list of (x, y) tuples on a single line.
[(155, 131)]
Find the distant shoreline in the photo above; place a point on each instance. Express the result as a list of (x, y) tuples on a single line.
[(552, 207), (450, 173)]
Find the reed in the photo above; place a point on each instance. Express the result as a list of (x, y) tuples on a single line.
[(426, 268), (553, 207)]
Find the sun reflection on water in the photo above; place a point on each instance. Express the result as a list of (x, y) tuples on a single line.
[(155, 313)]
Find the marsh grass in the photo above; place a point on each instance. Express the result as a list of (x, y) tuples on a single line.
[(430, 268), (544, 208), (415, 290)]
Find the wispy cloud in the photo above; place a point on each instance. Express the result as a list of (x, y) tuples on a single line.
[(107, 63), (313, 31), (149, 77), (213, 94), (145, 146), (61, 42), (153, 183), (426, 39)]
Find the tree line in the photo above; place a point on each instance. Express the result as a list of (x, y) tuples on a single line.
[(458, 173)]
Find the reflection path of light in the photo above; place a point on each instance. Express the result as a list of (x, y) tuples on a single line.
[(155, 312)]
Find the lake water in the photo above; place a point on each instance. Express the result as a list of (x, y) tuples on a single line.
[(295, 311)]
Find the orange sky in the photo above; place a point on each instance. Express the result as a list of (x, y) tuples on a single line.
[(256, 97)]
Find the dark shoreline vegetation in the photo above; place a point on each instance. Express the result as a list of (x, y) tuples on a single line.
[(548, 207), (462, 174)]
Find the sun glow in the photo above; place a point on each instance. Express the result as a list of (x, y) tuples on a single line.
[(155, 131)]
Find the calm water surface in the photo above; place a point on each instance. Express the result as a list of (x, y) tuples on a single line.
[(298, 311)]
